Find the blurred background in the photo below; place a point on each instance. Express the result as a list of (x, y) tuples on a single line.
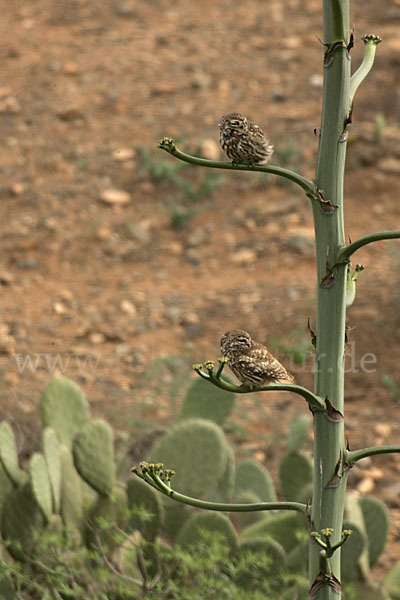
[(120, 266)]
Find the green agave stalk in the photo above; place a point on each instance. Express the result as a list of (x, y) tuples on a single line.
[(332, 460)]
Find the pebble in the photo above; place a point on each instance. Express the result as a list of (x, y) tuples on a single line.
[(128, 307), (301, 243), (123, 154), (389, 165), (244, 256), (114, 196), (193, 256), (209, 148), (196, 237), (70, 114)]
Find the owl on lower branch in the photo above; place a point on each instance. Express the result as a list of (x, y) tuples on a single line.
[(242, 141), (251, 361)]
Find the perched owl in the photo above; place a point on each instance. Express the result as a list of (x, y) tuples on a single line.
[(250, 361), (242, 141)]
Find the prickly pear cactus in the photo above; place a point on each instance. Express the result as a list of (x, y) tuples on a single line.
[(377, 525), (9, 455), (191, 532), (225, 487), (146, 512), (71, 491), (295, 472), (247, 518), (175, 516), (196, 450), (93, 452), (63, 406), (354, 556), (268, 560), (40, 483), (298, 431), (5, 484), (253, 477), (105, 517), (51, 451), (392, 581), (285, 528), (206, 401), (20, 518)]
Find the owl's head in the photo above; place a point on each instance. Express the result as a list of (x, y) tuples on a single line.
[(234, 342), (234, 122)]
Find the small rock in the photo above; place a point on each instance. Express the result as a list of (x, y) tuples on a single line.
[(6, 278), (71, 68), (383, 429), (366, 485), (316, 80), (190, 318), (128, 307), (59, 308), (193, 256), (140, 231), (7, 342), (9, 105), (97, 338), (301, 243), (126, 9), (209, 148), (244, 256), (70, 114), (114, 196), (164, 88), (123, 154), (27, 263), (389, 165), (196, 237), (174, 247), (172, 313), (201, 80)]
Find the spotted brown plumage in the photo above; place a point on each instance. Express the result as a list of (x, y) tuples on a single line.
[(251, 361), (243, 141)]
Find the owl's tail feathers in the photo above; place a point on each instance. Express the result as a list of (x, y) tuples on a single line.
[(287, 379)]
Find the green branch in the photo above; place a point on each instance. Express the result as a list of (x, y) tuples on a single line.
[(352, 457), (346, 252), (371, 41), (316, 402), (159, 478), (168, 145)]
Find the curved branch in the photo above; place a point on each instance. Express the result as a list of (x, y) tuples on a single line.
[(354, 456), (152, 474), (168, 145), (371, 41), (316, 402), (346, 252)]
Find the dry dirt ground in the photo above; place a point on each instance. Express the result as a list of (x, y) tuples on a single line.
[(103, 283)]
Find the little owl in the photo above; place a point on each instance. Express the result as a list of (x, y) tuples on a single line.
[(242, 141), (250, 361)]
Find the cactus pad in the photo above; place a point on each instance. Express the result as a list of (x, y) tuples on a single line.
[(105, 516), (196, 450), (51, 451), (226, 484), (21, 517), (94, 456), (63, 406), (175, 516), (5, 484), (253, 477), (298, 431), (40, 484), (377, 524), (145, 508), (284, 528), (392, 581), (295, 472), (9, 455), (268, 547), (206, 401), (191, 532), (71, 491)]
